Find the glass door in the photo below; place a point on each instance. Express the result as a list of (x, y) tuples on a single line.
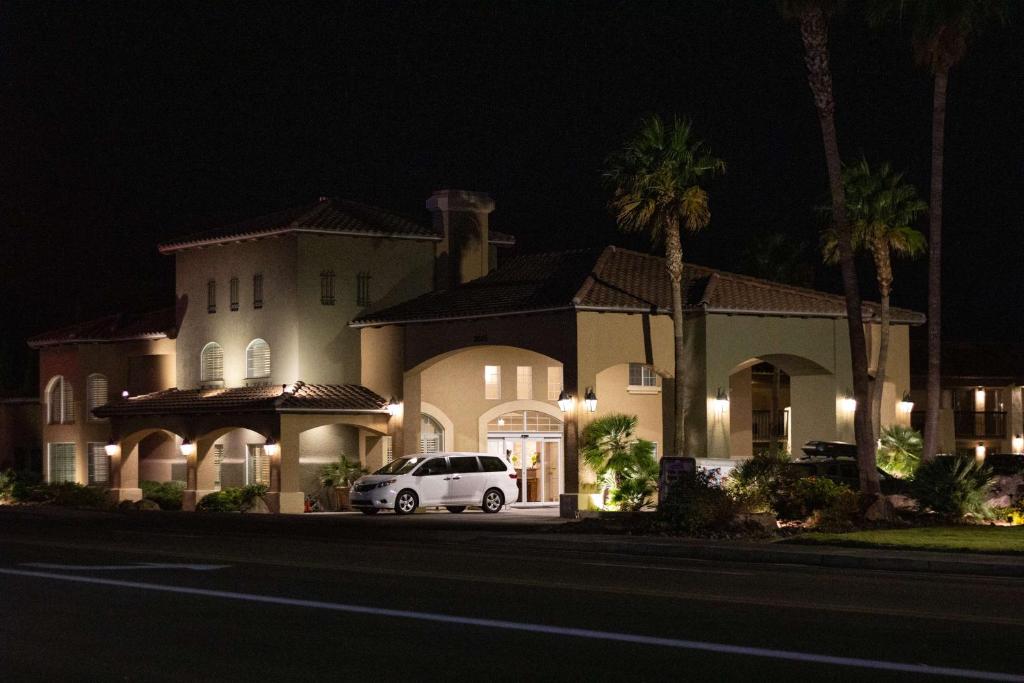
[(537, 461)]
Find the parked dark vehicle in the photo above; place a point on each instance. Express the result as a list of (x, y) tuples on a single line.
[(1005, 464), (837, 461)]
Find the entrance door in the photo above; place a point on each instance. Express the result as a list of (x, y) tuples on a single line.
[(538, 463)]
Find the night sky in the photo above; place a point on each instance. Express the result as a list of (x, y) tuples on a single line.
[(125, 124)]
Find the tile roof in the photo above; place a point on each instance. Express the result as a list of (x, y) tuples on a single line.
[(112, 328), (326, 215), (298, 397), (615, 279)]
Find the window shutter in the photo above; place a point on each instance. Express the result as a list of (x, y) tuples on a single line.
[(211, 296), (257, 290), (98, 395), (212, 362), (257, 360), (234, 293), (99, 464)]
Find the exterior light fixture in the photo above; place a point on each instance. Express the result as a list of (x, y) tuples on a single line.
[(848, 402), (188, 448), (111, 448), (564, 401), (1018, 443), (124, 394), (721, 401), (906, 405), (394, 407), (979, 452), (590, 399), (270, 447), (501, 422)]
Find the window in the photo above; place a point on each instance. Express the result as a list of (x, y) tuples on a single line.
[(62, 462), (60, 402), (524, 382), (257, 470), (257, 290), (492, 464), (257, 359), (432, 467), (464, 464), (363, 289), (492, 382), (522, 421), (218, 464), (641, 375), (212, 363), (327, 287), (389, 451), (99, 465), (431, 435), (554, 382), (96, 388), (211, 296), (234, 293)]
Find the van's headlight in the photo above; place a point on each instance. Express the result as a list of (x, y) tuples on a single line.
[(387, 483)]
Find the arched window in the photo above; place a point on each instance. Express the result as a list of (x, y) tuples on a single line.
[(431, 435), (212, 362), (257, 360), (60, 401), (96, 393)]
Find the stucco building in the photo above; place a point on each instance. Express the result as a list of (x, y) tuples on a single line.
[(341, 328)]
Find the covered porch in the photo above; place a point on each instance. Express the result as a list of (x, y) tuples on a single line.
[(280, 435)]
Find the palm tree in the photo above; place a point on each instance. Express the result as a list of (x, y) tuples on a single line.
[(881, 210), (941, 32), (610, 446), (655, 181), (813, 17)]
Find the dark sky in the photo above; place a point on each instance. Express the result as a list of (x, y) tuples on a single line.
[(123, 124)]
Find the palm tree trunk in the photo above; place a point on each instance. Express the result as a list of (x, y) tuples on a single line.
[(814, 31), (883, 358), (931, 425), (674, 263)]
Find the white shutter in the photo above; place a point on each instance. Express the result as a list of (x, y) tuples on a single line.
[(257, 359), (212, 362), (97, 393)]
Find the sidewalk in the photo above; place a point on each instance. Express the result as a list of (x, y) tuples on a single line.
[(773, 553)]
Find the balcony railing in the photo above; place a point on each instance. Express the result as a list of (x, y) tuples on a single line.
[(969, 424), (761, 423)]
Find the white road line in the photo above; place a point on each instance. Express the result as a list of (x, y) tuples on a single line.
[(718, 648), (123, 567), (698, 570)]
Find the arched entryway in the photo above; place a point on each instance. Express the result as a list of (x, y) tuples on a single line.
[(532, 441)]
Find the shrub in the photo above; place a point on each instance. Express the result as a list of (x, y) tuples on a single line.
[(17, 485), (341, 473), (952, 486), (810, 494), (69, 494), (167, 495), (231, 499), (760, 483), (637, 481), (899, 451), (840, 512), (698, 505)]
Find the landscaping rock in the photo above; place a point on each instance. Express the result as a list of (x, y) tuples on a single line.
[(766, 521), (126, 506), (147, 504), (901, 502), (258, 506), (880, 511)]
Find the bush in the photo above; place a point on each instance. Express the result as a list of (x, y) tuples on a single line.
[(840, 512), (899, 451), (761, 483), (952, 486), (17, 485), (810, 494), (637, 481), (698, 505), (167, 495), (69, 494), (231, 499)]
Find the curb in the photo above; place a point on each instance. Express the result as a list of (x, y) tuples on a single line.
[(813, 556)]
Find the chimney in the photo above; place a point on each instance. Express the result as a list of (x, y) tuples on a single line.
[(461, 218)]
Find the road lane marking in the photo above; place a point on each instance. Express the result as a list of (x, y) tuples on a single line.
[(123, 567), (591, 634), (698, 570)]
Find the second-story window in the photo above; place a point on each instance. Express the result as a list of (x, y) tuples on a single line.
[(327, 287), (492, 382), (257, 290), (211, 296), (363, 289), (96, 393), (234, 294), (211, 363)]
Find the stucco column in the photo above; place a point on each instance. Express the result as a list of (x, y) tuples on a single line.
[(124, 472), (814, 411), (405, 427), (201, 473), (741, 416), (287, 497)]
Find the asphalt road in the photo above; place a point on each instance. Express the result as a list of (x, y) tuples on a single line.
[(139, 599)]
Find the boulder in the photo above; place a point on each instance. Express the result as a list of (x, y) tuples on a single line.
[(901, 502), (258, 506), (766, 521), (881, 510), (147, 504), (126, 506)]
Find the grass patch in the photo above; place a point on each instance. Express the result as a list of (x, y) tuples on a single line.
[(976, 539)]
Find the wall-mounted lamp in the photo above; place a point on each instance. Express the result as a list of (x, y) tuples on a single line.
[(848, 402), (124, 394), (1018, 443), (906, 405), (188, 448), (564, 401), (394, 407), (979, 452), (270, 447), (111, 448), (590, 399), (721, 401)]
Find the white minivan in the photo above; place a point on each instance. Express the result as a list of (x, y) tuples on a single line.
[(451, 480)]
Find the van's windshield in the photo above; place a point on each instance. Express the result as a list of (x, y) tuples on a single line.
[(400, 466)]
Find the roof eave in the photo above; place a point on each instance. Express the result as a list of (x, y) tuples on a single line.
[(40, 343), (171, 247), (357, 324)]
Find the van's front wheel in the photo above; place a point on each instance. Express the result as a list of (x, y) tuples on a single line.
[(406, 503), (494, 500)]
